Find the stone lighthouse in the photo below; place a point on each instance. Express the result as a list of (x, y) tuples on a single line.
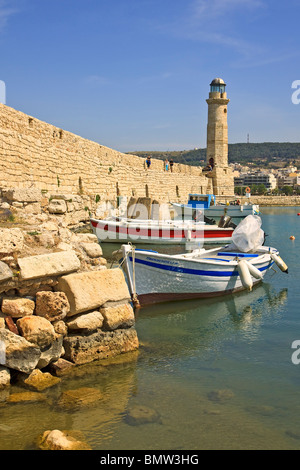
[(217, 141)]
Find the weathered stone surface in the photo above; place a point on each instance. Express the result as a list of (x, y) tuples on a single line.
[(17, 307), (57, 206), (11, 240), (38, 381), (90, 290), (60, 327), (37, 330), (119, 316), (62, 440), (52, 305), (79, 398), (23, 194), (52, 264), (52, 353), (221, 395), (4, 377), (5, 272), (2, 320), (86, 321), (18, 354), (99, 345), (93, 250)]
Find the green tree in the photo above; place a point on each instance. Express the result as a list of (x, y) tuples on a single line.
[(288, 190)]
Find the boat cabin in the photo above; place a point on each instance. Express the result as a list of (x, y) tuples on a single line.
[(203, 201)]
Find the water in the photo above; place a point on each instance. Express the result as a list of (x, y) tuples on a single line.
[(215, 374)]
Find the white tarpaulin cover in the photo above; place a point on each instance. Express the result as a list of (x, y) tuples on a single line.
[(248, 235)]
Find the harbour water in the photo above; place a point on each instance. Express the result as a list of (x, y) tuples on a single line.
[(210, 374)]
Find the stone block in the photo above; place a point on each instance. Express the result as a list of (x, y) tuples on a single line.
[(37, 330), (90, 290), (57, 206), (85, 321), (53, 306), (18, 353), (99, 345), (5, 272), (93, 250), (17, 307), (51, 264), (22, 195), (119, 316)]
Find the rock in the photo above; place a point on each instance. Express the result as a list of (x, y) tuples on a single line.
[(220, 396), (10, 324), (37, 330), (79, 398), (52, 264), (93, 250), (61, 367), (38, 380), (26, 397), (57, 206), (4, 377), (22, 195), (51, 353), (61, 440), (49, 226), (63, 246), (85, 238), (19, 354), (86, 321), (17, 307), (140, 414), (90, 290), (53, 306), (119, 316), (5, 272), (99, 345), (2, 320), (11, 240), (60, 328)]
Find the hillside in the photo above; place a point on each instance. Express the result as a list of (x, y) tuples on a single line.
[(267, 154)]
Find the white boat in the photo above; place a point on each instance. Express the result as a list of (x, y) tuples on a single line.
[(118, 230), (207, 204), (155, 277)]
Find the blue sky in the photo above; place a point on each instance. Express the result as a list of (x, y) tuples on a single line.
[(135, 74)]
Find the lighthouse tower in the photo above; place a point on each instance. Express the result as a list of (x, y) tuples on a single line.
[(217, 140)]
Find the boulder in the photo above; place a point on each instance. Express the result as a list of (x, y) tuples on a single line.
[(79, 398), (37, 330), (81, 349), (52, 353), (26, 397), (53, 306), (118, 316), (5, 272), (17, 307), (38, 381), (140, 414), (51, 264), (19, 354), (61, 367), (86, 321), (11, 240), (90, 290), (93, 250), (61, 440)]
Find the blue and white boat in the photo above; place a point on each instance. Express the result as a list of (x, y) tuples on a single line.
[(155, 277), (210, 208)]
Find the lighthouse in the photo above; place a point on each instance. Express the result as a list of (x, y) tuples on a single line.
[(217, 140)]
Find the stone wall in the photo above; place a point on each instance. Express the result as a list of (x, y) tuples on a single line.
[(39, 155), (271, 200)]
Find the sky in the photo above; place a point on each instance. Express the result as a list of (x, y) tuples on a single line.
[(134, 74)]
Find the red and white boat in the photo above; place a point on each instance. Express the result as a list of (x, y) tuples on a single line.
[(118, 230)]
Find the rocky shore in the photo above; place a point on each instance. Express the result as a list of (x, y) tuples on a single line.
[(61, 306)]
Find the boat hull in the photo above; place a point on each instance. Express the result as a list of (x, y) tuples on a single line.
[(237, 213), (151, 233)]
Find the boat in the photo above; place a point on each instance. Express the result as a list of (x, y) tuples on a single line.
[(154, 277), (120, 230), (207, 204)]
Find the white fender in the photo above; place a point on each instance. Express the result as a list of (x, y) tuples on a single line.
[(254, 271), (245, 274), (280, 263)]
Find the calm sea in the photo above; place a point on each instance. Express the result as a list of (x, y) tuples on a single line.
[(210, 374)]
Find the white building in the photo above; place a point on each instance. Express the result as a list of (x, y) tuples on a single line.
[(249, 179)]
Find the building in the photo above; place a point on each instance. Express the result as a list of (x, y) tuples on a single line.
[(256, 178)]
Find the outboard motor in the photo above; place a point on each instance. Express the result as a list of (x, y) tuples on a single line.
[(224, 221)]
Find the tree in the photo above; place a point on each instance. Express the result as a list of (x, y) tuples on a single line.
[(288, 190)]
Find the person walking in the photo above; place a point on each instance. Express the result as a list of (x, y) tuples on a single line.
[(171, 165), (148, 162), (166, 164)]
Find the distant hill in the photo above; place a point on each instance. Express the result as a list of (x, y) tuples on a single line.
[(267, 154)]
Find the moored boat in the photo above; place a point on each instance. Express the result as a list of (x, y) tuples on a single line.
[(118, 230)]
